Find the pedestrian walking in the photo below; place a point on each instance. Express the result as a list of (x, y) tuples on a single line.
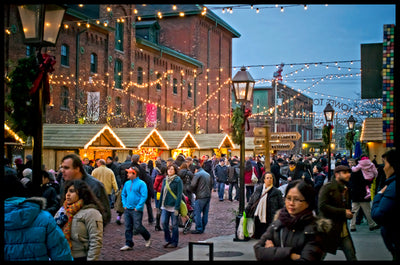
[(157, 189), (233, 176), (263, 204), (385, 205), (334, 203), (295, 234), (201, 186), (106, 176), (186, 176), (359, 199), (208, 167), (170, 201), (249, 185), (221, 175), (72, 168), (123, 175), (84, 227), (115, 167), (30, 232), (134, 195)]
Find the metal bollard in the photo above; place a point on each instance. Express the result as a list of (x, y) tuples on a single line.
[(210, 245)]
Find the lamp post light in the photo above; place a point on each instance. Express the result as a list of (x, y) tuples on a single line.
[(329, 112), (242, 85), (351, 123), (41, 25)]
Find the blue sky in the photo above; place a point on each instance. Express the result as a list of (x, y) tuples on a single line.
[(319, 34)]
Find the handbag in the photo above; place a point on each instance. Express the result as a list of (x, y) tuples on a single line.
[(118, 202), (254, 178), (182, 208)]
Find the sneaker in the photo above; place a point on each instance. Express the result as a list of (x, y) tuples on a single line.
[(148, 243), (124, 248)]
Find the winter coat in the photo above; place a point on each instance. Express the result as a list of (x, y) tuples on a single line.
[(52, 202), (332, 205), (208, 167), (176, 187), (357, 185), (201, 184), (107, 177), (233, 173), (158, 183), (221, 173), (305, 237), (134, 194), (367, 168), (87, 233), (247, 177), (186, 175), (30, 233), (122, 171), (274, 202)]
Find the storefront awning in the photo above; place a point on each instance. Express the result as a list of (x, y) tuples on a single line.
[(179, 139), (372, 130), (214, 140)]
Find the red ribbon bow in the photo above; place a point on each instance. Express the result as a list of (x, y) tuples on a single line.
[(247, 114), (45, 67)]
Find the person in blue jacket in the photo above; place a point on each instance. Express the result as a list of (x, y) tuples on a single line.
[(30, 232), (385, 205), (133, 197)]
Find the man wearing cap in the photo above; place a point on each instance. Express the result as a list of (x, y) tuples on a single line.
[(334, 203), (133, 196)]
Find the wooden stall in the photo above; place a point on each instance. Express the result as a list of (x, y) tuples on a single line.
[(180, 142), (214, 143)]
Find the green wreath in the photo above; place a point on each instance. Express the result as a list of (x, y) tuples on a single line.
[(237, 127), (326, 131), (19, 101), (349, 140)]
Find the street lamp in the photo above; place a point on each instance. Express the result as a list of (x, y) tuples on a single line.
[(242, 85), (41, 27), (329, 113), (351, 123)]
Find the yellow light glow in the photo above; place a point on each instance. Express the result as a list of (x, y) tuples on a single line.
[(149, 135), (188, 134), (102, 131)]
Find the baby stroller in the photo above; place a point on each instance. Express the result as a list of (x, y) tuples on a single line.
[(186, 222)]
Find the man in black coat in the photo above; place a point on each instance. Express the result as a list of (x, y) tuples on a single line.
[(276, 170)]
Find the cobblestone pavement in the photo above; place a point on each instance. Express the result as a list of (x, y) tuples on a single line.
[(221, 221)]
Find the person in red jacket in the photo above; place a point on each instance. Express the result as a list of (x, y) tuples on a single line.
[(157, 188)]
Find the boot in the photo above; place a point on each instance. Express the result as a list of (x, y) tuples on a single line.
[(158, 217)]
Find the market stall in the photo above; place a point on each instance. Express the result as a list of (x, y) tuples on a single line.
[(180, 142), (214, 143)]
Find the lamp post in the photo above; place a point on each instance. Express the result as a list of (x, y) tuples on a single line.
[(40, 26), (329, 113), (351, 123), (242, 85)]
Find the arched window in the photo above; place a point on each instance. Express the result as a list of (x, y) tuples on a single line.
[(189, 90), (140, 75), (118, 73), (119, 36), (175, 86), (93, 63), (64, 97), (65, 55)]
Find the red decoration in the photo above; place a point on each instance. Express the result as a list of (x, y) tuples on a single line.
[(46, 66), (247, 114)]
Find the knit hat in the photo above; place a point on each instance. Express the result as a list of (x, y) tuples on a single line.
[(27, 173)]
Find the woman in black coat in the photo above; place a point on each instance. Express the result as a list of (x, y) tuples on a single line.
[(295, 234), (263, 204)]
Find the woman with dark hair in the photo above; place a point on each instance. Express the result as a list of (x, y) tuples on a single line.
[(295, 234), (157, 188), (301, 172), (80, 218), (248, 171), (263, 204), (170, 201), (319, 180)]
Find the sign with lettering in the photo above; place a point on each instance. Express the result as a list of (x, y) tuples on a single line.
[(260, 132), (282, 146), (291, 136)]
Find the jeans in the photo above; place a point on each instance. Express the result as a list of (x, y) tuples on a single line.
[(133, 220), (165, 216), (231, 186), (249, 191), (221, 189), (201, 206)]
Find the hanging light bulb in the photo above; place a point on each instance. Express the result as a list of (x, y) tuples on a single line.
[(305, 7), (282, 9)]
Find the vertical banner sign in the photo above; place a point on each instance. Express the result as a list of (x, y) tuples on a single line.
[(151, 115), (388, 85)]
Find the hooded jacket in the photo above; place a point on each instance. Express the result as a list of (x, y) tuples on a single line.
[(30, 233), (305, 238), (367, 168)]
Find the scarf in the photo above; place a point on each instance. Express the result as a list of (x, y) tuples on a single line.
[(70, 211), (261, 210), (290, 221), (165, 191)]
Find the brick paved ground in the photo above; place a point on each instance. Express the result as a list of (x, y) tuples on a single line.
[(221, 221)]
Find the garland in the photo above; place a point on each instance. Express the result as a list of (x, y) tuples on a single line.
[(239, 118), (326, 134), (349, 140), (19, 102)]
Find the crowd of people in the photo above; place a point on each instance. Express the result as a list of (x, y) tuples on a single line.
[(299, 213)]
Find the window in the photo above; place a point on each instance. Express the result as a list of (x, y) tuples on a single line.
[(118, 106), (118, 73), (65, 55), (175, 86), (93, 63), (140, 75), (158, 114), (119, 36), (64, 97), (158, 85), (189, 91)]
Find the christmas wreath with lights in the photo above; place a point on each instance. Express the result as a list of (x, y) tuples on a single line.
[(19, 101)]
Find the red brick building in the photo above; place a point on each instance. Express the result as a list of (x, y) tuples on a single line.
[(136, 66)]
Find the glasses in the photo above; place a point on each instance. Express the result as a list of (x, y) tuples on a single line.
[(294, 200)]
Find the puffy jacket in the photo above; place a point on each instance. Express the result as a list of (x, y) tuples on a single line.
[(30, 233), (305, 237), (367, 168), (87, 233)]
